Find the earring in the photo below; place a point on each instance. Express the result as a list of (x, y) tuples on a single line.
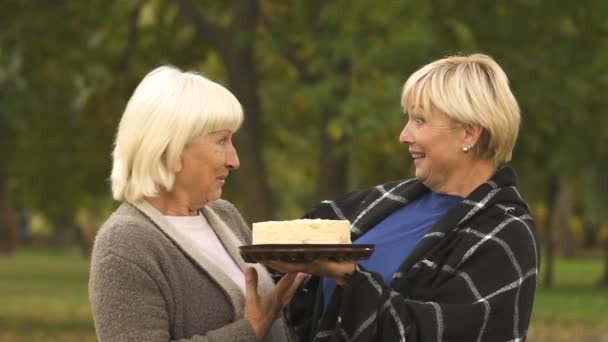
[(467, 148)]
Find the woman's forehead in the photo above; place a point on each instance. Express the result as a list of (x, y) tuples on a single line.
[(418, 108)]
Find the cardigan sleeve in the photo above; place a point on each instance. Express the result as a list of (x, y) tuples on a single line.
[(486, 296), (136, 310)]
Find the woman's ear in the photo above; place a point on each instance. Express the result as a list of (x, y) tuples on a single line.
[(177, 165), (472, 133)]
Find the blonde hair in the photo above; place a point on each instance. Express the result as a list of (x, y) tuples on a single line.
[(167, 111), (470, 90)]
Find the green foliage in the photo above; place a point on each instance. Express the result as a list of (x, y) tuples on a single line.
[(72, 69), (336, 69), (554, 53), (326, 70)]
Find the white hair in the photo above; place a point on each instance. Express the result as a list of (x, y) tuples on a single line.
[(167, 111)]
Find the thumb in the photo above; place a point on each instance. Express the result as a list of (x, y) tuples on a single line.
[(251, 288)]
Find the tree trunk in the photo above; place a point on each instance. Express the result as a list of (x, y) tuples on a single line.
[(235, 46), (67, 233), (551, 201), (334, 159), (590, 232), (252, 177), (603, 283), (63, 234), (85, 241), (566, 242), (334, 164), (9, 227)]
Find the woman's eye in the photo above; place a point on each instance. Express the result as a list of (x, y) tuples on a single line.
[(224, 140), (419, 120)]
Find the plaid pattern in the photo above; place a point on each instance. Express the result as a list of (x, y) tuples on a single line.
[(471, 278)]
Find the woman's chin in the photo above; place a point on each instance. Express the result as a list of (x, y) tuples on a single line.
[(214, 196), (421, 176)]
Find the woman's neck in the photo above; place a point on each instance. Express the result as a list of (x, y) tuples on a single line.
[(170, 205), (469, 179)]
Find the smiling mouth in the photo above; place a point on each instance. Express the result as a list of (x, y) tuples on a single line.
[(418, 155)]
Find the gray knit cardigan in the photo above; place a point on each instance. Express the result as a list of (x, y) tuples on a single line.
[(148, 282)]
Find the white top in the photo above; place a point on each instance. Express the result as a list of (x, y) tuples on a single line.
[(198, 230)]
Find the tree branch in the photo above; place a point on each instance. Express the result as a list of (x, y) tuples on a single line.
[(246, 15), (131, 41), (289, 51), (214, 34)]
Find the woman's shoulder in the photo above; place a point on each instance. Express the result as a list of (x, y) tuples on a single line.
[(125, 233), (228, 213), (502, 219), (392, 187), (223, 207)]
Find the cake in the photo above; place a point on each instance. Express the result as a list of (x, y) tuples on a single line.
[(304, 231)]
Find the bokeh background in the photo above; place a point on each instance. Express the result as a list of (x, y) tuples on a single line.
[(320, 82)]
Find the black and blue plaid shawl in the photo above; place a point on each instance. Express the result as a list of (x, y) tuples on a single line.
[(471, 278)]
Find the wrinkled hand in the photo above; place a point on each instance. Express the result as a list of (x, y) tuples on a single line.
[(323, 268), (261, 311)]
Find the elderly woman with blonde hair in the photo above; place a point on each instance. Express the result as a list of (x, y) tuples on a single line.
[(456, 257), (165, 264)]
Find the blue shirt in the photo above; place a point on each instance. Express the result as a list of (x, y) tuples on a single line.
[(396, 236)]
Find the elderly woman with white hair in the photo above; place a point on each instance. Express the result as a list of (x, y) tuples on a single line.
[(456, 257), (166, 265)]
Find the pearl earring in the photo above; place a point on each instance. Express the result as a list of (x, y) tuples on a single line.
[(467, 148)]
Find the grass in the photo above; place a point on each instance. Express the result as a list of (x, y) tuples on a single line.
[(573, 310), (574, 296), (43, 297)]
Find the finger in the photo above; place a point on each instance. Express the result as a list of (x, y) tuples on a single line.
[(287, 267), (271, 265), (251, 287), (274, 265), (299, 279), (284, 284), (331, 269)]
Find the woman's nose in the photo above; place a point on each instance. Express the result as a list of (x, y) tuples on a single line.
[(232, 158), (406, 136)]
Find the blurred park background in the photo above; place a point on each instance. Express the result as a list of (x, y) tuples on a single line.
[(320, 82)]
